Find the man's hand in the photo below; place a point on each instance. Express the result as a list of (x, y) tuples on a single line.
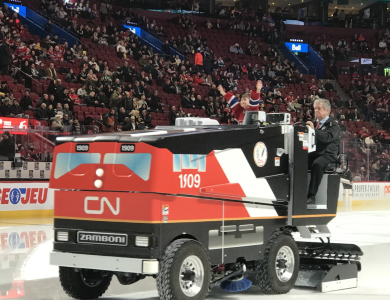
[(310, 124), (221, 90), (259, 86)]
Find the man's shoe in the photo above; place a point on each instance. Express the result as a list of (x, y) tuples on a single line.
[(311, 200)]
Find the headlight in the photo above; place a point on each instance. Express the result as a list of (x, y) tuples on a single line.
[(62, 236), (142, 241)]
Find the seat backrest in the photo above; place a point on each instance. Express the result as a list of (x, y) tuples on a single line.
[(338, 167), (342, 163)]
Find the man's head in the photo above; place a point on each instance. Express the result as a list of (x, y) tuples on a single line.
[(321, 108)]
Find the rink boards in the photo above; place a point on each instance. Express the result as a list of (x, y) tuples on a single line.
[(28, 199)]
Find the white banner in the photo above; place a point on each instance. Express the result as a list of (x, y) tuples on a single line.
[(26, 196), (375, 190)]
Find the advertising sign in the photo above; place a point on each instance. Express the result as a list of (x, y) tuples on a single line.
[(17, 8), (134, 29), (298, 47), (13, 125), (26, 196), (366, 61), (369, 190)]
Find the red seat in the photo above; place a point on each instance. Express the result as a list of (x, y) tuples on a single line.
[(76, 108), (7, 78), (98, 110), (80, 116), (12, 87), (20, 87), (105, 110), (34, 97), (91, 109), (84, 108), (30, 113), (17, 95)]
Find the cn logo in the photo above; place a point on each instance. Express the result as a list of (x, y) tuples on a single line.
[(102, 201), (296, 47)]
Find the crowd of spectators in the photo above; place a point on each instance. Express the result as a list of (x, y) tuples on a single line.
[(367, 105), (355, 46), (147, 89)]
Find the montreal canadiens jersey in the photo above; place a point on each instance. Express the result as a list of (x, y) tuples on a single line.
[(238, 110)]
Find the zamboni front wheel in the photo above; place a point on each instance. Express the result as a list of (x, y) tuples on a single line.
[(83, 283), (184, 271), (278, 271)]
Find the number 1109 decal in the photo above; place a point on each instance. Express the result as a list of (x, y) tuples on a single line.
[(189, 180)]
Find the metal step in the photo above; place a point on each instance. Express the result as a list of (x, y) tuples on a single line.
[(317, 206), (314, 231)]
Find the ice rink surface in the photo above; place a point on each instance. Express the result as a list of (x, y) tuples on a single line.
[(25, 271)]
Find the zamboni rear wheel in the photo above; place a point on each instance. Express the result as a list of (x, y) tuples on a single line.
[(83, 283), (278, 271), (184, 272)]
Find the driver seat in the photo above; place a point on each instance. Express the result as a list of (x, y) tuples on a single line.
[(338, 167)]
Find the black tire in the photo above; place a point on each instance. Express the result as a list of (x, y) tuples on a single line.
[(267, 278), (73, 284), (168, 283)]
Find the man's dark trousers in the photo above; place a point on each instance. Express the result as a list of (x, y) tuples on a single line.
[(317, 164)]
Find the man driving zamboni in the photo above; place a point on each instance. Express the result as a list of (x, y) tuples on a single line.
[(327, 133)]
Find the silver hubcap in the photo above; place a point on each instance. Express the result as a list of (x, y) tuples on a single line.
[(90, 279), (284, 264), (191, 276)]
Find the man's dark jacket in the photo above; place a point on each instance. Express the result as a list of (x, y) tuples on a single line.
[(328, 138)]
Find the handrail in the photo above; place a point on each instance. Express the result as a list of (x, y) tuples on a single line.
[(55, 22), (20, 70), (330, 73), (160, 39)]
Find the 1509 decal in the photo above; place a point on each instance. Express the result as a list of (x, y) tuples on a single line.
[(189, 180)]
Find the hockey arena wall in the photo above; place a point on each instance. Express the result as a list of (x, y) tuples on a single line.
[(34, 199)]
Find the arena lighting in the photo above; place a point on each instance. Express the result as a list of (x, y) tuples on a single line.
[(296, 40)]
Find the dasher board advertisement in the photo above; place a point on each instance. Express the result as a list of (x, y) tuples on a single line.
[(26, 196)]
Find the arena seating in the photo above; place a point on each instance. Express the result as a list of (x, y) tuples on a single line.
[(238, 72)]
